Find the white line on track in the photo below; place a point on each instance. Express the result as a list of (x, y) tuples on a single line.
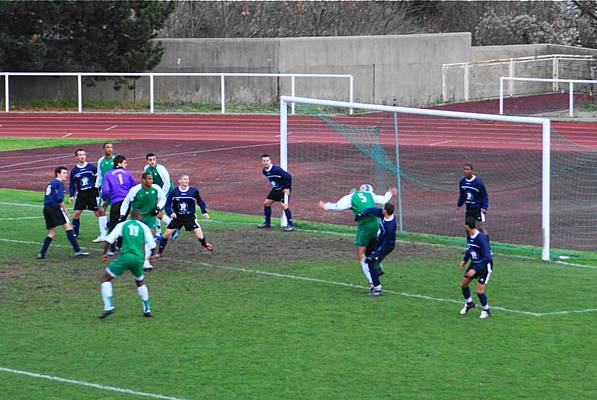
[(89, 384), (36, 161), (67, 135), (112, 127), (438, 143)]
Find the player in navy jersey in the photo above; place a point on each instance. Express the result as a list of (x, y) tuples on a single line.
[(474, 194), (384, 243), (55, 213), (181, 206), (281, 182), (481, 266), (82, 186)]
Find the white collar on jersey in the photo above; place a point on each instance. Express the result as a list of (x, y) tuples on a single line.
[(269, 169), (472, 178), (82, 166)]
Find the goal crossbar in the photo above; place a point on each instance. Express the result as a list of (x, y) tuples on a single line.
[(285, 101)]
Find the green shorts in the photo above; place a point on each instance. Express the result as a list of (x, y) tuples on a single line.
[(365, 233), (149, 220), (126, 262)]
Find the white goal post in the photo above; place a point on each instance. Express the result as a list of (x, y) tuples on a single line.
[(286, 101)]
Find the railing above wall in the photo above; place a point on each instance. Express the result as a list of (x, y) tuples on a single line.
[(152, 75)]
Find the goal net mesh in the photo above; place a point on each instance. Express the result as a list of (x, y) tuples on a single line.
[(331, 152)]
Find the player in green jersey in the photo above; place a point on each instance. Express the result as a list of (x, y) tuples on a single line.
[(104, 164), (358, 201), (135, 237), (161, 177), (148, 198)]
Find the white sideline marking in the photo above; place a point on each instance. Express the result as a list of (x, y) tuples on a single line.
[(18, 218), (89, 384), (112, 127), (34, 161), (20, 204), (348, 285)]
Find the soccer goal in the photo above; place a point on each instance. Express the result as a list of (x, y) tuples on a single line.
[(422, 153)]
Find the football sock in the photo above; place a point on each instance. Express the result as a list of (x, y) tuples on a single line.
[(374, 275), (267, 212), (163, 244), (76, 225), (103, 225), (71, 237), (44, 247), (203, 241), (166, 219), (483, 300), (106, 289), (147, 253), (288, 214), (144, 294), (365, 268), (466, 293)]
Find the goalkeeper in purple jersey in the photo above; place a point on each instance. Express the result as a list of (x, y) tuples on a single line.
[(480, 267), (474, 194)]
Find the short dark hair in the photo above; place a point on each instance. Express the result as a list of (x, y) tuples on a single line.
[(265, 155), (118, 160), (149, 155), (389, 207), (469, 165), (471, 222), (77, 152), (136, 213), (59, 169), (145, 175), (105, 144)]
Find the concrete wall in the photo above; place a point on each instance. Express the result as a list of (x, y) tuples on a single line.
[(405, 67)]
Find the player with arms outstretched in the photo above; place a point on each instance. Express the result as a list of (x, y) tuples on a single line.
[(181, 206), (135, 237), (358, 201)]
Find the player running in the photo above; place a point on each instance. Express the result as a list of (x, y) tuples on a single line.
[(148, 198), (367, 226), (135, 237)]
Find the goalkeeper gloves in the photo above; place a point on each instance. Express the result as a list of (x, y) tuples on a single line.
[(358, 216), (155, 211)]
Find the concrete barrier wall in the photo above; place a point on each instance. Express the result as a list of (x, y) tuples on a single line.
[(405, 67)]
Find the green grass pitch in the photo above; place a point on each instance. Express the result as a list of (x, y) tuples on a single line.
[(255, 321)]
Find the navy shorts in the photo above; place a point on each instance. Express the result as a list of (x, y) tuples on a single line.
[(476, 213), (277, 195), (54, 217), (189, 222), (482, 274)]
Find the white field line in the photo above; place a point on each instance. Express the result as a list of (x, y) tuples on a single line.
[(570, 264), (35, 161), (349, 285), (89, 384), (18, 218)]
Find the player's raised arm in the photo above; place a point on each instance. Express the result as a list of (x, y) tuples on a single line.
[(343, 204), (378, 199)]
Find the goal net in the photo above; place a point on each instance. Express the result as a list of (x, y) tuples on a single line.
[(422, 153)]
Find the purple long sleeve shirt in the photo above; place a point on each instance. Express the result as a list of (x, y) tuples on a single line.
[(117, 183)]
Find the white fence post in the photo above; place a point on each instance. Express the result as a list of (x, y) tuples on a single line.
[(6, 92), (501, 95), (292, 90), (151, 99), (223, 93), (571, 98), (80, 92)]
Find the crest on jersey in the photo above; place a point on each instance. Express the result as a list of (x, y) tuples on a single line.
[(366, 188)]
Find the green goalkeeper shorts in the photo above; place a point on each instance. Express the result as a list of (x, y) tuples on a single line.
[(365, 233)]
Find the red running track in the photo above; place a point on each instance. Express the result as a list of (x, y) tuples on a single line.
[(414, 130)]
